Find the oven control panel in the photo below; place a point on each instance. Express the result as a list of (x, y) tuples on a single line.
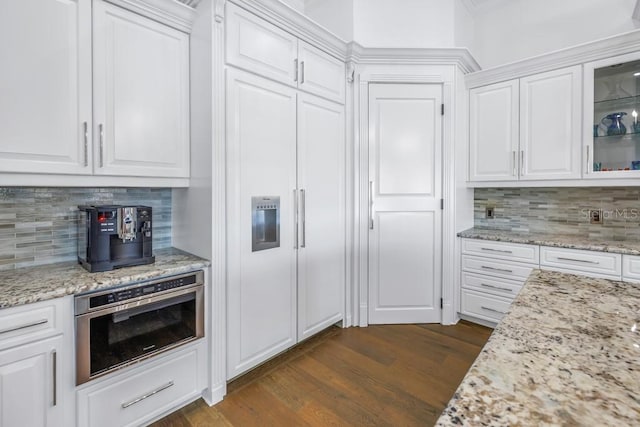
[(140, 291)]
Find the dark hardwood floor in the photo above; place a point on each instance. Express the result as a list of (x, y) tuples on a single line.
[(395, 375)]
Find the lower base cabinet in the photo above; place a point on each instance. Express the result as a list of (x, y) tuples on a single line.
[(142, 394)]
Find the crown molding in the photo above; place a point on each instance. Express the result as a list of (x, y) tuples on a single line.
[(292, 21), (169, 12), (604, 48), (460, 57)]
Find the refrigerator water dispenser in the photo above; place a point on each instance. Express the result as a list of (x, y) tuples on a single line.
[(265, 223)]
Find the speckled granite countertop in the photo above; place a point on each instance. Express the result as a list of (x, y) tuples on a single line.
[(572, 241), (27, 285), (567, 353)]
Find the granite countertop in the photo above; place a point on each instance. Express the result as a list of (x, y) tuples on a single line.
[(31, 284), (572, 241), (566, 353)]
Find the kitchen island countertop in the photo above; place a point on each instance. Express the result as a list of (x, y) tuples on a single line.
[(32, 284), (570, 241), (566, 353)]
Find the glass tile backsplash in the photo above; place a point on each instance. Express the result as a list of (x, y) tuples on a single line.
[(561, 210), (38, 225)]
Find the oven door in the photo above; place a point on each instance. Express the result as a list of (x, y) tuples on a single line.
[(117, 336)]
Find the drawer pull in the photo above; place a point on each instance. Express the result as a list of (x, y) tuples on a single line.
[(28, 325), (586, 261), (496, 250), (504, 270), (496, 287), (492, 309), (148, 395)]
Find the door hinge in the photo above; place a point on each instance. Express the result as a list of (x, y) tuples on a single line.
[(442, 109), (441, 204), (441, 303)]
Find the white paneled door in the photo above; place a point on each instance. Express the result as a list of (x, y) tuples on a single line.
[(405, 128)]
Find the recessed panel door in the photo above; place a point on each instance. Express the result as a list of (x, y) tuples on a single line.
[(405, 191)]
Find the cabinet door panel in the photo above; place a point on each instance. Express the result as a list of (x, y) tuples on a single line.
[(321, 281), (260, 47), (45, 82), (141, 90), (550, 110), (27, 386), (261, 161), (320, 73), (493, 137)]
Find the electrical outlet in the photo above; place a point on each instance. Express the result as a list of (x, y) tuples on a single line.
[(595, 216), (489, 212)]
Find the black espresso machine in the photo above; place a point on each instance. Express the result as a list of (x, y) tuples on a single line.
[(114, 236)]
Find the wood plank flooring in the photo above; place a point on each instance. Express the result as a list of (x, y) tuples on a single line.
[(384, 375)]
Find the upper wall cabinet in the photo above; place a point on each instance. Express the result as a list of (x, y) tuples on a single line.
[(45, 86), (611, 107), (527, 129), (141, 95), (262, 48)]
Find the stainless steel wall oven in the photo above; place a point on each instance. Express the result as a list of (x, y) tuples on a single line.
[(124, 325)]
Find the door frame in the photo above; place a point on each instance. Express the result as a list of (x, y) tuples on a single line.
[(365, 74)]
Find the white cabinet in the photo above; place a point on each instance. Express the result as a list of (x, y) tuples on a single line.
[(262, 48), (45, 82), (494, 130), (287, 144), (527, 129), (589, 263), (141, 95), (36, 381)]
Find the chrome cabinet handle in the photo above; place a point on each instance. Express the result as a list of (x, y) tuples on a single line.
[(302, 72), (295, 70), (303, 209), (86, 143), (486, 267), (296, 216), (586, 261), (26, 325), (492, 309), (522, 163), (101, 132), (54, 372), (514, 163), (370, 205), (495, 287), (496, 250), (588, 169), (148, 395)]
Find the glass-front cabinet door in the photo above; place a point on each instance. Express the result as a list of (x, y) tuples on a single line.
[(612, 125)]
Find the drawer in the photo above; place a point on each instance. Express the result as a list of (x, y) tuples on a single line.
[(494, 267), (31, 322), (142, 394), (492, 285), (631, 268), (483, 306), (509, 251), (598, 264)]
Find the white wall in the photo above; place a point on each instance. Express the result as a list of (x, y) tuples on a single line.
[(404, 23), (334, 15), (510, 30), (464, 26)]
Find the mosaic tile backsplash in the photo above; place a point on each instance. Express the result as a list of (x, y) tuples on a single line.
[(561, 210), (38, 225)]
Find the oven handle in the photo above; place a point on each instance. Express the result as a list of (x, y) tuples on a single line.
[(152, 299), (146, 396)]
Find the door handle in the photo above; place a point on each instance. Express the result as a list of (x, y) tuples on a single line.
[(588, 169), (295, 222), (521, 162), (295, 70), (514, 163), (371, 205), (26, 325), (302, 72), (146, 396), (86, 143), (101, 132), (54, 373), (303, 209)]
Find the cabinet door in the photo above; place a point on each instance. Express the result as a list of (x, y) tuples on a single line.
[(493, 137), (321, 253), (261, 161), (550, 114), (321, 73), (29, 390), (260, 47), (141, 95), (45, 82)]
